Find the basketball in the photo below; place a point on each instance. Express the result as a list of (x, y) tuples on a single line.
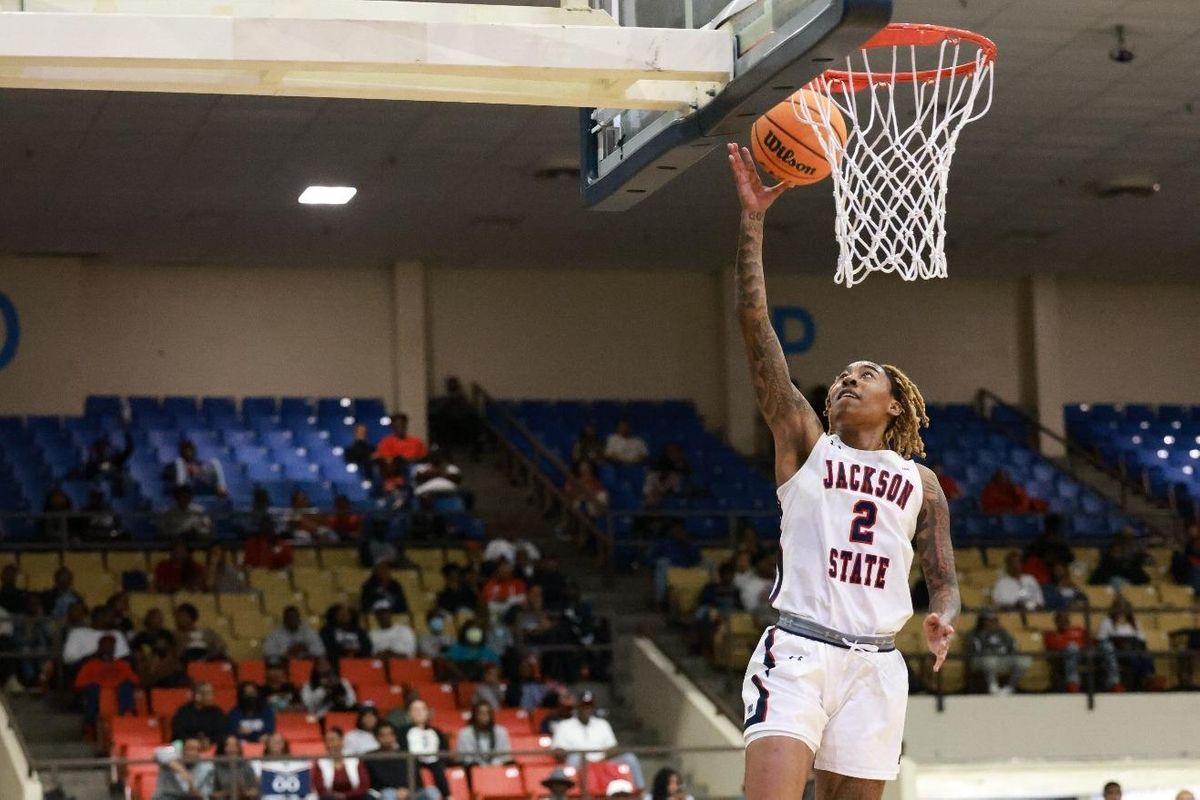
[(789, 148)]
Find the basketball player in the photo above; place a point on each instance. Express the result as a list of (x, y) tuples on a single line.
[(827, 680)]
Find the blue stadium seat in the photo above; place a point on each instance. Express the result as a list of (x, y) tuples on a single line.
[(254, 408), (140, 407), (180, 406)]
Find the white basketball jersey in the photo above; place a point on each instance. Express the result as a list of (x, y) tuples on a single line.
[(846, 545)]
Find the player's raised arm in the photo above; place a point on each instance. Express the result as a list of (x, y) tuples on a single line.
[(793, 423), (932, 544)]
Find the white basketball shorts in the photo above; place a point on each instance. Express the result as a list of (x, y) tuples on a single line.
[(848, 706)]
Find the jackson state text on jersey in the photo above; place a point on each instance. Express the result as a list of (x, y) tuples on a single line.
[(848, 518)]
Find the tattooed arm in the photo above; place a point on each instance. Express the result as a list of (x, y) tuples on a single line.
[(932, 544), (793, 423)]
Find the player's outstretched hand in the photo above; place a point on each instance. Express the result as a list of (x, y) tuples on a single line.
[(937, 636), (754, 196)]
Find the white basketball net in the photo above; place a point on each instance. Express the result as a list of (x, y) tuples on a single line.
[(889, 179)]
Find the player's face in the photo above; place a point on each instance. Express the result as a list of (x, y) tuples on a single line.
[(861, 395)]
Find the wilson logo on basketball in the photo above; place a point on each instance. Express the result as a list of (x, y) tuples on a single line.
[(785, 154)]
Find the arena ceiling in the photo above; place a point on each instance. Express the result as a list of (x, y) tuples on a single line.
[(193, 179)]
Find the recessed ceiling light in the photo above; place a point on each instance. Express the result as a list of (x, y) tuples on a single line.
[(327, 195)]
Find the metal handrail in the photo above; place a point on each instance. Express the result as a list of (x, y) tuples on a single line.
[(16, 730)]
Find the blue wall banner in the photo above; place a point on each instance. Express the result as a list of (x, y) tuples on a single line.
[(795, 328)]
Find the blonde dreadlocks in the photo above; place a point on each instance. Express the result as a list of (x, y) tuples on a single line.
[(903, 433)]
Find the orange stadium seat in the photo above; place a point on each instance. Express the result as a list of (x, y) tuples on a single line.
[(463, 692), (534, 774), (346, 720), (253, 749), (165, 702), (298, 727), (141, 781), (299, 671), (384, 697), (363, 671), (601, 773), (410, 670), (127, 731), (502, 782), (307, 748), (253, 670), (456, 777), (531, 742), (225, 698), (441, 701), (219, 673), (516, 720)]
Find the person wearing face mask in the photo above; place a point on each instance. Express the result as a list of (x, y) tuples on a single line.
[(470, 653), (252, 718), (434, 642)]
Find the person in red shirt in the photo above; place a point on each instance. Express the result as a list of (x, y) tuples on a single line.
[(1070, 640), (104, 671), (344, 521), (1002, 496), (949, 485), (178, 572), (503, 590), (337, 777), (266, 550), (398, 444)]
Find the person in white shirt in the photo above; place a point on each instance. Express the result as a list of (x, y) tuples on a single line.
[(362, 738), (756, 586), (1120, 630), (436, 476), (84, 641), (391, 638), (586, 736), (625, 448), (1014, 589), (499, 548)]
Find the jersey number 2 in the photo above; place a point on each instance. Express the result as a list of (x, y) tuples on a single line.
[(864, 520)]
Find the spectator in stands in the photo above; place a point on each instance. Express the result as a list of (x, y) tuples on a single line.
[(304, 522), (222, 573), (178, 572), (455, 595), (504, 590), (325, 690), (548, 574), (381, 586), (13, 598), (1046, 550), (266, 549), (337, 776), (620, 789), (668, 785), (1002, 496), (277, 690), (105, 464), (756, 588), (342, 635), (588, 445), (156, 654), (62, 595), (361, 453), (389, 777), (344, 521), (993, 651), (749, 542), (1185, 561), (1122, 562), (1062, 592), (181, 773), (421, 739), (674, 551), (1070, 641), (203, 477), (391, 637), (453, 420), (58, 522), (586, 492), (121, 614), (565, 709), (200, 718), (196, 643), (104, 671), (1112, 791), (490, 689), (535, 626), (185, 519), (398, 444), (950, 486), (1184, 794), (558, 783), (586, 736), (362, 738), (83, 642), (1014, 589), (661, 482), (262, 516), (527, 691), (623, 447), (482, 741), (1120, 629), (718, 599), (437, 477), (100, 522), (437, 638), (292, 639), (253, 717), (470, 653), (234, 780), (499, 547)]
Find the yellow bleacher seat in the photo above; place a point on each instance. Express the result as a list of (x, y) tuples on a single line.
[(275, 600), (306, 557), (1099, 597), (119, 561), (683, 589), (426, 559), (1086, 559), (716, 555), (206, 604), (1160, 562), (240, 604), (994, 557), (83, 561), (911, 638), (433, 580), (339, 557), (1169, 621), (974, 596), (321, 596), (252, 627), (266, 580), (95, 586), (141, 602), (1039, 620), (962, 626), (243, 649), (1141, 597), (1176, 596), (969, 559), (303, 577), (223, 626), (39, 568), (351, 577)]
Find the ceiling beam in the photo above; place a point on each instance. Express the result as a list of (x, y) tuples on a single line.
[(442, 58)]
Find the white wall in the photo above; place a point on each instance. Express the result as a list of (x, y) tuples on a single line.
[(1126, 342), (570, 334)]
